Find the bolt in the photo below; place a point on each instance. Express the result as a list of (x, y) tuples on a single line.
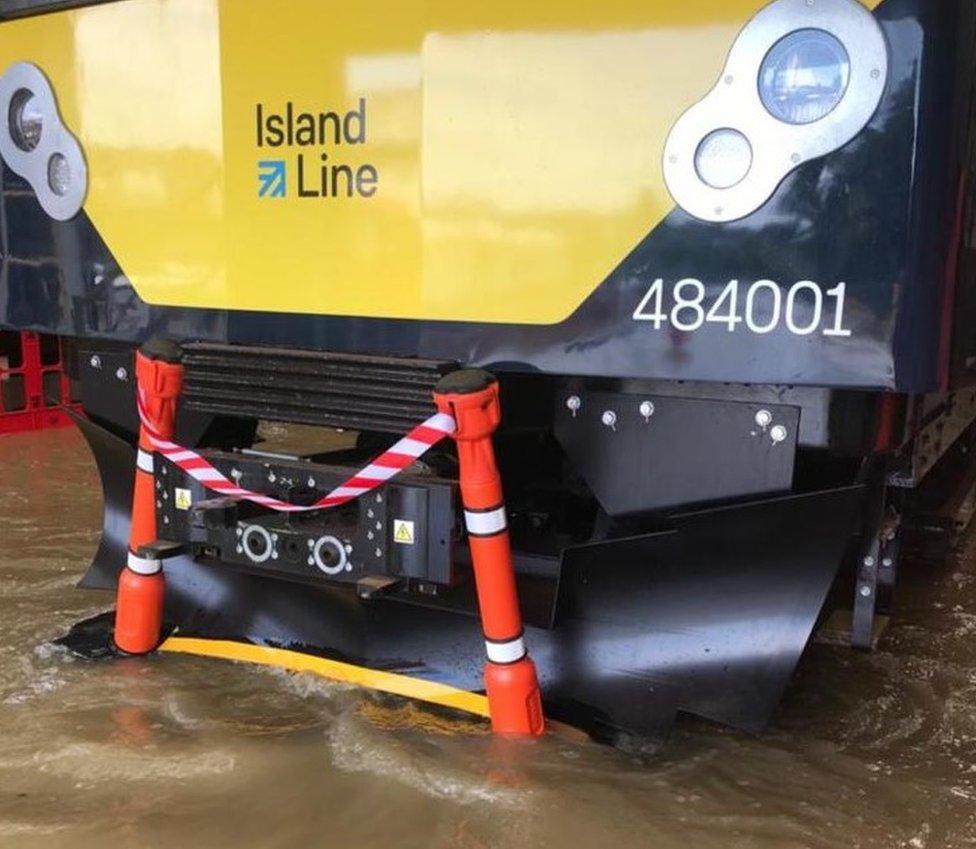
[(271, 476), (121, 373), (348, 548), (95, 361), (240, 550), (311, 543), (236, 474), (274, 537), (646, 410), (369, 535), (609, 418), (573, 403), (240, 531), (379, 552), (159, 504), (348, 567), (311, 561), (886, 562), (311, 483), (370, 514), (379, 498), (777, 433), (165, 520), (868, 561), (865, 590), (764, 418), (274, 555), (379, 526)]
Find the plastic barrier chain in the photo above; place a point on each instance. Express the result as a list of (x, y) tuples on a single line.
[(415, 444)]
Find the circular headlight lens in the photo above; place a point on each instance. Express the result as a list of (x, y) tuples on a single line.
[(723, 158), (804, 76), (25, 120)]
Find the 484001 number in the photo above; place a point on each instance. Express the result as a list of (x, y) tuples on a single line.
[(805, 308)]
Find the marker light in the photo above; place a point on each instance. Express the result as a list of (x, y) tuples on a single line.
[(25, 120), (804, 76), (723, 158), (59, 174)]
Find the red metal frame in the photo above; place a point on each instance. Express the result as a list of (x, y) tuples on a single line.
[(35, 412)]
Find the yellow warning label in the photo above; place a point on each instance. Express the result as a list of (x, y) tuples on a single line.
[(182, 499), (403, 531)]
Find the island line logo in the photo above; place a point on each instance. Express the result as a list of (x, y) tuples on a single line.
[(321, 175)]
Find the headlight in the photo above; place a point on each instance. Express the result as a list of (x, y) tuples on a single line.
[(26, 120), (37, 146), (804, 76), (802, 79)]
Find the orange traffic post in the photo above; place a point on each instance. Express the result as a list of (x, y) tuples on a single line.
[(470, 396), (139, 602)]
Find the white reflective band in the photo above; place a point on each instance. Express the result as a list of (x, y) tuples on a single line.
[(208, 475), (144, 461), (341, 491), (505, 652), (485, 524), (143, 565)]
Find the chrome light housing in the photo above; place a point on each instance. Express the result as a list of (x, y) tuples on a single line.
[(802, 79), (36, 145)]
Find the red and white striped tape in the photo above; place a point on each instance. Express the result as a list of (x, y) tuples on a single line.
[(416, 443)]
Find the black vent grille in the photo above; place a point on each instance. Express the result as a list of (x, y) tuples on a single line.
[(384, 394)]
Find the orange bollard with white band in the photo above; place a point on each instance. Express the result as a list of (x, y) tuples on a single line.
[(514, 701), (139, 602)]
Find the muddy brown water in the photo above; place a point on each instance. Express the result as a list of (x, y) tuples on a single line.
[(869, 750)]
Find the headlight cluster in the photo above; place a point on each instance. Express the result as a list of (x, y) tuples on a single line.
[(802, 79), (37, 146)]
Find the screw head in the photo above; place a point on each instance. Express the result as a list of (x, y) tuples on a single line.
[(121, 373), (778, 433), (865, 590), (573, 403), (869, 561), (609, 418), (646, 409), (95, 361), (311, 483), (764, 418)]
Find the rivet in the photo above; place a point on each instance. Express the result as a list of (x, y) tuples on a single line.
[(573, 403), (311, 483), (95, 361), (379, 552), (121, 373), (869, 561), (271, 476), (777, 433), (865, 590), (886, 562), (311, 561), (646, 410), (764, 418), (609, 418)]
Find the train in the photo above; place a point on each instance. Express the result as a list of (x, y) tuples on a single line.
[(710, 269)]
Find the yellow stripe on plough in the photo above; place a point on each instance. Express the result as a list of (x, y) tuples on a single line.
[(387, 682)]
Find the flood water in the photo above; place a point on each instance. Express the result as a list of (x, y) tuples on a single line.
[(868, 750)]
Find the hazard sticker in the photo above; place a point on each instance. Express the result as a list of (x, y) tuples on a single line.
[(182, 499), (403, 531)]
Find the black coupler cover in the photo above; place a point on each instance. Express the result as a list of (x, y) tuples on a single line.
[(708, 617)]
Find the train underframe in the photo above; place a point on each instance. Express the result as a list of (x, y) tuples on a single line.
[(674, 543)]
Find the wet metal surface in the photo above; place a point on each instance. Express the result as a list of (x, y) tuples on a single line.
[(868, 750)]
